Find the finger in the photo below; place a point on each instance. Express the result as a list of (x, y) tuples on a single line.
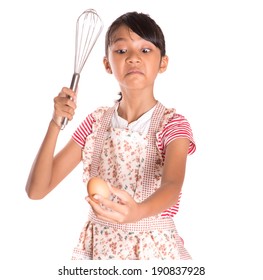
[(111, 217), (104, 213), (63, 110), (60, 112), (65, 101), (121, 194), (68, 92), (99, 205), (115, 211), (97, 208)]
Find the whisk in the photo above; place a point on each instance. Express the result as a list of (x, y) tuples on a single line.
[(88, 28)]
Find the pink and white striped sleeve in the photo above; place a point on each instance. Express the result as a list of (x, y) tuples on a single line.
[(177, 127), (84, 129)]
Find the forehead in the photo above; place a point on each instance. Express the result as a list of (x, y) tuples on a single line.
[(124, 33)]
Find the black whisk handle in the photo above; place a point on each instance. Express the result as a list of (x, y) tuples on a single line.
[(73, 86)]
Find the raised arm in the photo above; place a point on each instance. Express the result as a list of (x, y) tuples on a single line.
[(48, 170)]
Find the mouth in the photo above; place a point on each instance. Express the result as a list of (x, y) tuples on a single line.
[(134, 71)]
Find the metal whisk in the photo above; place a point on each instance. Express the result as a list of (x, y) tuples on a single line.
[(88, 28)]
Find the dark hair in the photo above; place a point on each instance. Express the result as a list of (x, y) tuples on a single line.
[(141, 24)]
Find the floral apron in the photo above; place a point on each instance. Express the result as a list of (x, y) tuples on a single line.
[(130, 161)]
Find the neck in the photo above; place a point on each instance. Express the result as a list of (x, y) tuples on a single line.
[(131, 109)]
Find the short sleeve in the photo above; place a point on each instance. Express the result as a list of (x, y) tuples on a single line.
[(83, 130), (176, 127)]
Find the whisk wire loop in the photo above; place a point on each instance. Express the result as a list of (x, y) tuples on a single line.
[(88, 29)]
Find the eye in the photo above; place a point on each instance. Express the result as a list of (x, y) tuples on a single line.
[(121, 51), (146, 50)]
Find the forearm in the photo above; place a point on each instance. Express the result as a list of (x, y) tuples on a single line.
[(40, 175), (172, 179), (163, 198)]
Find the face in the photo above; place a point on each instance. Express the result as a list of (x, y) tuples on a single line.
[(134, 61)]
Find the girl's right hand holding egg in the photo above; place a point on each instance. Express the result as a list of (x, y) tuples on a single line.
[(64, 105)]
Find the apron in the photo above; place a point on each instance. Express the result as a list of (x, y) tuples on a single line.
[(130, 161)]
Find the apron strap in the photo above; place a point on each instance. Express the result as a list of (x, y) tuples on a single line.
[(150, 160), (99, 140)]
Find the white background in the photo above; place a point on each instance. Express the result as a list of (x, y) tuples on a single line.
[(214, 78)]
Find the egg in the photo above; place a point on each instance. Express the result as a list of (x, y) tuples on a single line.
[(98, 186)]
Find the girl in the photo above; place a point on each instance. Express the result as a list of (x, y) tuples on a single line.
[(138, 146)]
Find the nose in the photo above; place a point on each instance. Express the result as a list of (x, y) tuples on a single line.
[(133, 57)]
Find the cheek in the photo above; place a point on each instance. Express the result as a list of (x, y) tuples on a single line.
[(116, 60), (153, 69), (116, 67)]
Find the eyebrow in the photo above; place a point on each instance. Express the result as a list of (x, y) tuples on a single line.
[(118, 39)]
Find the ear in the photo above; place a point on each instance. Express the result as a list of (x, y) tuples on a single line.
[(107, 65), (163, 64)]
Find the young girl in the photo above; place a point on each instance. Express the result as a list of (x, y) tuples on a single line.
[(138, 146)]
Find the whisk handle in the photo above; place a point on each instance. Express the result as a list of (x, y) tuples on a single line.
[(74, 81), (73, 86)]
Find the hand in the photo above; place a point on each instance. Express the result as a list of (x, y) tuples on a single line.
[(126, 211), (64, 105)]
